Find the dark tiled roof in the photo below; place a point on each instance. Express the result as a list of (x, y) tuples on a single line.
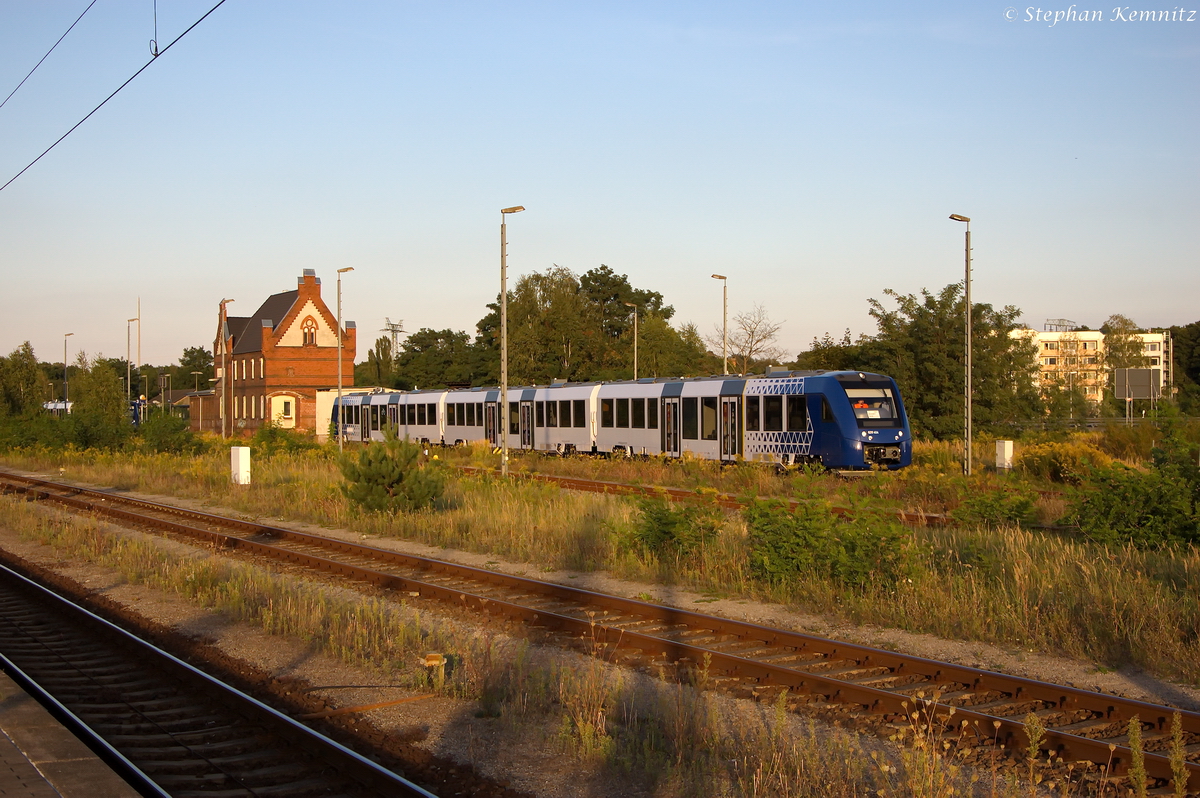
[(248, 338)]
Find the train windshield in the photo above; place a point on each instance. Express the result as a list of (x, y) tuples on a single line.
[(874, 407)]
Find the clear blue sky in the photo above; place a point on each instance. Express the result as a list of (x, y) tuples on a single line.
[(812, 152)]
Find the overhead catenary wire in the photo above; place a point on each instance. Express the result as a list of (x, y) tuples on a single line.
[(47, 55), (114, 94)]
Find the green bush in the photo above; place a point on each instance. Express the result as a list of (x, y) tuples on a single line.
[(1068, 462), (992, 508), (271, 439), (169, 435), (663, 527), (1146, 508), (391, 477), (867, 546)]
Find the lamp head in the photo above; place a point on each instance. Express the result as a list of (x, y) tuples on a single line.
[(67, 335), (347, 269), (513, 209), (629, 305), (718, 277), (958, 218)]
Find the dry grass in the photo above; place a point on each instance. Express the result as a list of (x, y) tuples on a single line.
[(1043, 591)]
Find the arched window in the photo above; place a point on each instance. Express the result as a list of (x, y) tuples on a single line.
[(309, 328)]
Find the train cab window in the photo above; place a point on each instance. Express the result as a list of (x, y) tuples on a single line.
[(797, 413), (637, 413), (651, 414), (708, 418), (752, 409), (873, 407), (691, 421), (623, 413), (580, 413), (514, 418), (826, 411), (551, 414), (773, 413), (539, 411), (431, 413), (606, 412)]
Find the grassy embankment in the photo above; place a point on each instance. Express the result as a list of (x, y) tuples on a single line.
[(1114, 605), (672, 738)]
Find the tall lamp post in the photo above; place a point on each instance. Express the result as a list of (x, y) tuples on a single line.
[(504, 337), (224, 365), (635, 335), (341, 427), (128, 364), (66, 393), (968, 394), (724, 322)]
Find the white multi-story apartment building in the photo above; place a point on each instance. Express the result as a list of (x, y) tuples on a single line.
[(1075, 358)]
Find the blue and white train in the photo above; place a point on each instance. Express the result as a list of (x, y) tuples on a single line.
[(839, 419)]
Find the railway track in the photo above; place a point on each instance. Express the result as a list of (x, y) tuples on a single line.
[(740, 657), (167, 728)]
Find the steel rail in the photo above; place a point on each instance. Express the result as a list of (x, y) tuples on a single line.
[(350, 767), (877, 680)]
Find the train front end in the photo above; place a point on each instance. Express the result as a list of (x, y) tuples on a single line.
[(872, 421)]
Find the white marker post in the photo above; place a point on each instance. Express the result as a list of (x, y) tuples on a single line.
[(239, 465)]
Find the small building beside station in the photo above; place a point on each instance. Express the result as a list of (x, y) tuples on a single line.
[(271, 365)]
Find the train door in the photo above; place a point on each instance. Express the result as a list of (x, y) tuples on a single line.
[(489, 423), (731, 432), (526, 425), (670, 426)]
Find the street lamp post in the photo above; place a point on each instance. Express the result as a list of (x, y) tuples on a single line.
[(967, 392), (504, 337), (635, 335), (224, 365), (724, 322), (199, 401), (66, 393), (128, 364), (341, 427)]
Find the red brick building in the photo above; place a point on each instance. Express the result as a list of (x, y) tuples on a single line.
[(270, 365)]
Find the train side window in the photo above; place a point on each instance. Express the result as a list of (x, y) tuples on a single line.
[(708, 418), (539, 412), (514, 418), (432, 414), (551, 414), (651, 414), (580, 413), (797, 413), (564, 412), (420, 414), (623, 413), (691, 422), (411, 414), (773, 413), (472, 415), (462, 414), (606, 412), (752, 403), (638, 414)]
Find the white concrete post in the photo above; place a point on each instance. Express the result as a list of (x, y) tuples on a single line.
[(1004, 455), (239, 465)]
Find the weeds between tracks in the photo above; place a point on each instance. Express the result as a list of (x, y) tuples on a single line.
[(1115, 605), (673, 738)]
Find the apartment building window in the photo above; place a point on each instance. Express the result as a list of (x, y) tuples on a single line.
[(1070, 344), (1152, 347), (1049, 345), (1153, 361), (1049, 361), (1089, 345)]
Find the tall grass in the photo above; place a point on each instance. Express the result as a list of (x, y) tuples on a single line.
[(1113, 605)]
